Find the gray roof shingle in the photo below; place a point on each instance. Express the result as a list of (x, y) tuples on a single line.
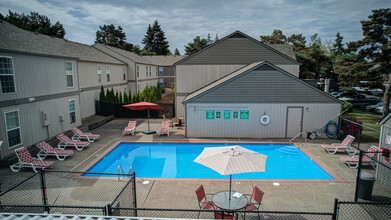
[(164, 60), (13, 38), (124, 53)]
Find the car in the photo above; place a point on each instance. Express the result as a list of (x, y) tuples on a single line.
[(371, 108), (376, 92), (336, 94), (379, 110)]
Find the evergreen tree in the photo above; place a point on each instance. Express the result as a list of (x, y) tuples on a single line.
[(126, 99), (120, 100), (35, 23), (155, 40), (112, 95), (338, 45), (197, 44), (112, 36), (108, 95), (176, 52), (276, 38), (102, 94), (130, 96)]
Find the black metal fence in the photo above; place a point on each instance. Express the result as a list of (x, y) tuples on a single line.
[(363, 210), (107, 108)]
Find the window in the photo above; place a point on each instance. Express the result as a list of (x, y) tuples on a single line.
[(69, 73), (108, 73), (124, 73), (7, 79), (138, 71), (138, 87), (160, 70), (146, 70), (150, 71), (161, 81), (99, 69), (12, 126), (156, 71), (72, 111)]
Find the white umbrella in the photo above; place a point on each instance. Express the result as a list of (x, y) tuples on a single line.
[(231, 160)]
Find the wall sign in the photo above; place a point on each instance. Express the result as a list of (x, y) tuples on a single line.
[(388, 139), (235, 115), (227, 114), (210, 114), (244, 114), (218, 114)]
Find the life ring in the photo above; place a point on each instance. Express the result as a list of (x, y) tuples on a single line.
[(265, 120)]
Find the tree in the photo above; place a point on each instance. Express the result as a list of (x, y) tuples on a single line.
[(102, 94), (35, 23), (155, 40), (338, 45), (376, 47), (112, 36), (276, 38), (298, 42), (176, 52), (197, 44)]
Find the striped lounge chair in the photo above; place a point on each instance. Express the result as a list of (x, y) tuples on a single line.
[(131, 128), (352, 162), (26, 160), (345, 145), (164, 129), (47, 150), (67, 142), (79, 135)]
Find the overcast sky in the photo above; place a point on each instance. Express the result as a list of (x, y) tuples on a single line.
[(182, 20)]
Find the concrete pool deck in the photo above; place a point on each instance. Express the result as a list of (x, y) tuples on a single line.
[(308, 196)]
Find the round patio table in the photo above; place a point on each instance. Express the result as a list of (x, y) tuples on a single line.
[(221, 200)]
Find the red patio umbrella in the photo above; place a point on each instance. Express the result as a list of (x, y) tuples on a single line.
[(144, 106)]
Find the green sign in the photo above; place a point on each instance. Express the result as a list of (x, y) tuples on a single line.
[(210, 114), (227, 114), (244, 114), (235, 115), (218, 114)]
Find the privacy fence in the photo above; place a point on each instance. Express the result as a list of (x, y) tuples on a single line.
[(81, 193)]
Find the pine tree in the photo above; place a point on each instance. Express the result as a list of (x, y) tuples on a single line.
[(102, 94), (112, 95), (126, 100), (176, 52), (148, 39), (155, 40), (108, 95), (120, 100), (338, 45), (130, 96)]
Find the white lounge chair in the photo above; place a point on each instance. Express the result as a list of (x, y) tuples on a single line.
[(79, 135), (130, 129), (26, 160), (345, 145), (67, 142), (352, 162), (164, 129), (47, 150)]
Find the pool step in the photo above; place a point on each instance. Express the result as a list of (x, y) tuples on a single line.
[(291, 150)]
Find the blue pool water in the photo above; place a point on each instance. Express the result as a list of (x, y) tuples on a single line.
[(173, 160)]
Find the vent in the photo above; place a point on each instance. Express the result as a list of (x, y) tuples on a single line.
[(237, 35)]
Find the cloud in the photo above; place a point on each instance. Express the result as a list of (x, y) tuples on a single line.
[(183, 20)]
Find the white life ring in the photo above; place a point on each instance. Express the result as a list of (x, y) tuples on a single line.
[(265, 120)]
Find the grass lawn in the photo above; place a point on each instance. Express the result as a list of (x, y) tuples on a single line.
[(368, 120)]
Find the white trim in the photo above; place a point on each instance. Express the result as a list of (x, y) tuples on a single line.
[(124, 73), (138, 70), (108, 73), (6, 129), (13, 74), (99, 72), (70, 118), (72, 74)]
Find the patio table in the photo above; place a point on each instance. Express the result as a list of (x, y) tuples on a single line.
[(221, 200)]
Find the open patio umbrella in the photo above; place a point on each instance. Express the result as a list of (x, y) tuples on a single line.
[(231, 160), (144, 106)]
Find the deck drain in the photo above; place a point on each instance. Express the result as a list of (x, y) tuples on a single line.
[(145, 182), (276, 184)]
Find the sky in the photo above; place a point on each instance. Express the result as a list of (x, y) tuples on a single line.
[(182, 20)]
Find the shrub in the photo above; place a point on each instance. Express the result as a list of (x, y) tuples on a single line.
[(102, 96), (348, 127), (349, 106)]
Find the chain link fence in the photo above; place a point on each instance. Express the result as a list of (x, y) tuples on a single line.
[(363, 210)]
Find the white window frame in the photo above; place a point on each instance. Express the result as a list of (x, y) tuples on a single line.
[(108, 73), (146, 70), (138, 71), (70, 117), (99, 72), (124, 73), (150, 71), (6, 129), (160, 72), (13, 75), (69, 74), (138, 87), (157, 70)]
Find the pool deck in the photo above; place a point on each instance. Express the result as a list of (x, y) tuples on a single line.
[(290, 195)]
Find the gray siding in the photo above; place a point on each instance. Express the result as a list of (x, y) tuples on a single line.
[(237, 51), (263, 85), (314, 116), (383, 173), (168, 71)]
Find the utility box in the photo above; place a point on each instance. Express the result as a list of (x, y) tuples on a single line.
[(46, 118)]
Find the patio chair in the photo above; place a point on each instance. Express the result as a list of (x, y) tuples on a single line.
[(352, 162), (345, 145), (255, 201), (219, 215), (26, 160), (78, 135), (203, 203), (165, 128), (67, 142), (130, 129), (47, 150)]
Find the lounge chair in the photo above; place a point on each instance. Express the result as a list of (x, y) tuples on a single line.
[(352, 162), (67, 142), (203, 203), (255, 201), (78, 135), (345, 145), (26, 160), (164, 129), (47, 150), (219, 215), (131, 128)]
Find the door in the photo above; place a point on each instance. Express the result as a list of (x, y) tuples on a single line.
[(294, 121)]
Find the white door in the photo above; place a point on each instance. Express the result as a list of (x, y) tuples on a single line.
[(294, 121)]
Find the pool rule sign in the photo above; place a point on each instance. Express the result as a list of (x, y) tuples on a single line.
[(210, 114)]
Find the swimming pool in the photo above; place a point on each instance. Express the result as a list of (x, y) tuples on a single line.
[(175, 160)]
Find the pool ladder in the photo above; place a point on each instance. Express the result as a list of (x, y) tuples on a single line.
[(301, 133), (122, 171)]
